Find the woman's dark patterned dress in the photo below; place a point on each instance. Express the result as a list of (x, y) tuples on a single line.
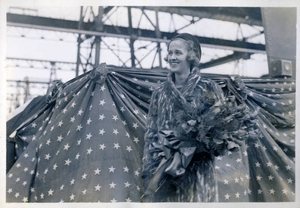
[(198, 183)]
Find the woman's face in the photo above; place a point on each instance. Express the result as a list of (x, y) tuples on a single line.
[(177, 56)]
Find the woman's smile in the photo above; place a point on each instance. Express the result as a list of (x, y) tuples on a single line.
[(174, 64)]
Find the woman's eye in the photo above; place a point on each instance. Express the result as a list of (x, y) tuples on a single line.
[(176, 53)]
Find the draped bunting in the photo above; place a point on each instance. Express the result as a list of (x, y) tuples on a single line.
[(86, 143)]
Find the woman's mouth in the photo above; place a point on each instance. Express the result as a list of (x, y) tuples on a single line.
[(174, 64)]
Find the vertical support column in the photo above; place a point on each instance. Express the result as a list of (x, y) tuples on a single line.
[(97, 52), (79, 40), (158, 35), (26, 90), (52, 72), (99, 27), (280, 41), (131, 44), (17, 100), (78, 62)]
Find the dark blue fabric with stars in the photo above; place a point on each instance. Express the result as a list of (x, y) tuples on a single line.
[(86, 144)]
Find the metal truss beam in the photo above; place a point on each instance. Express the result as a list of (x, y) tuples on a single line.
[(44, 23), (107, 9), (131, 44), (30, 82), (79, 41), (53, 66), (40, 60), (224, 60), (99, 27), (249, 16)]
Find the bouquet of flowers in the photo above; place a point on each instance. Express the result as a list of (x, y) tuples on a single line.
[(212, 130), (216, 129)]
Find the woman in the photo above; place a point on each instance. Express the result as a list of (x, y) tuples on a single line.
[(183, 135)]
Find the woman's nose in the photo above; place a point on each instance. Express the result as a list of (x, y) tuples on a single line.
[(172, 57)]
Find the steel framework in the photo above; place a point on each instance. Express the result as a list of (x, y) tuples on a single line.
[(94, 25), (96, 28)]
